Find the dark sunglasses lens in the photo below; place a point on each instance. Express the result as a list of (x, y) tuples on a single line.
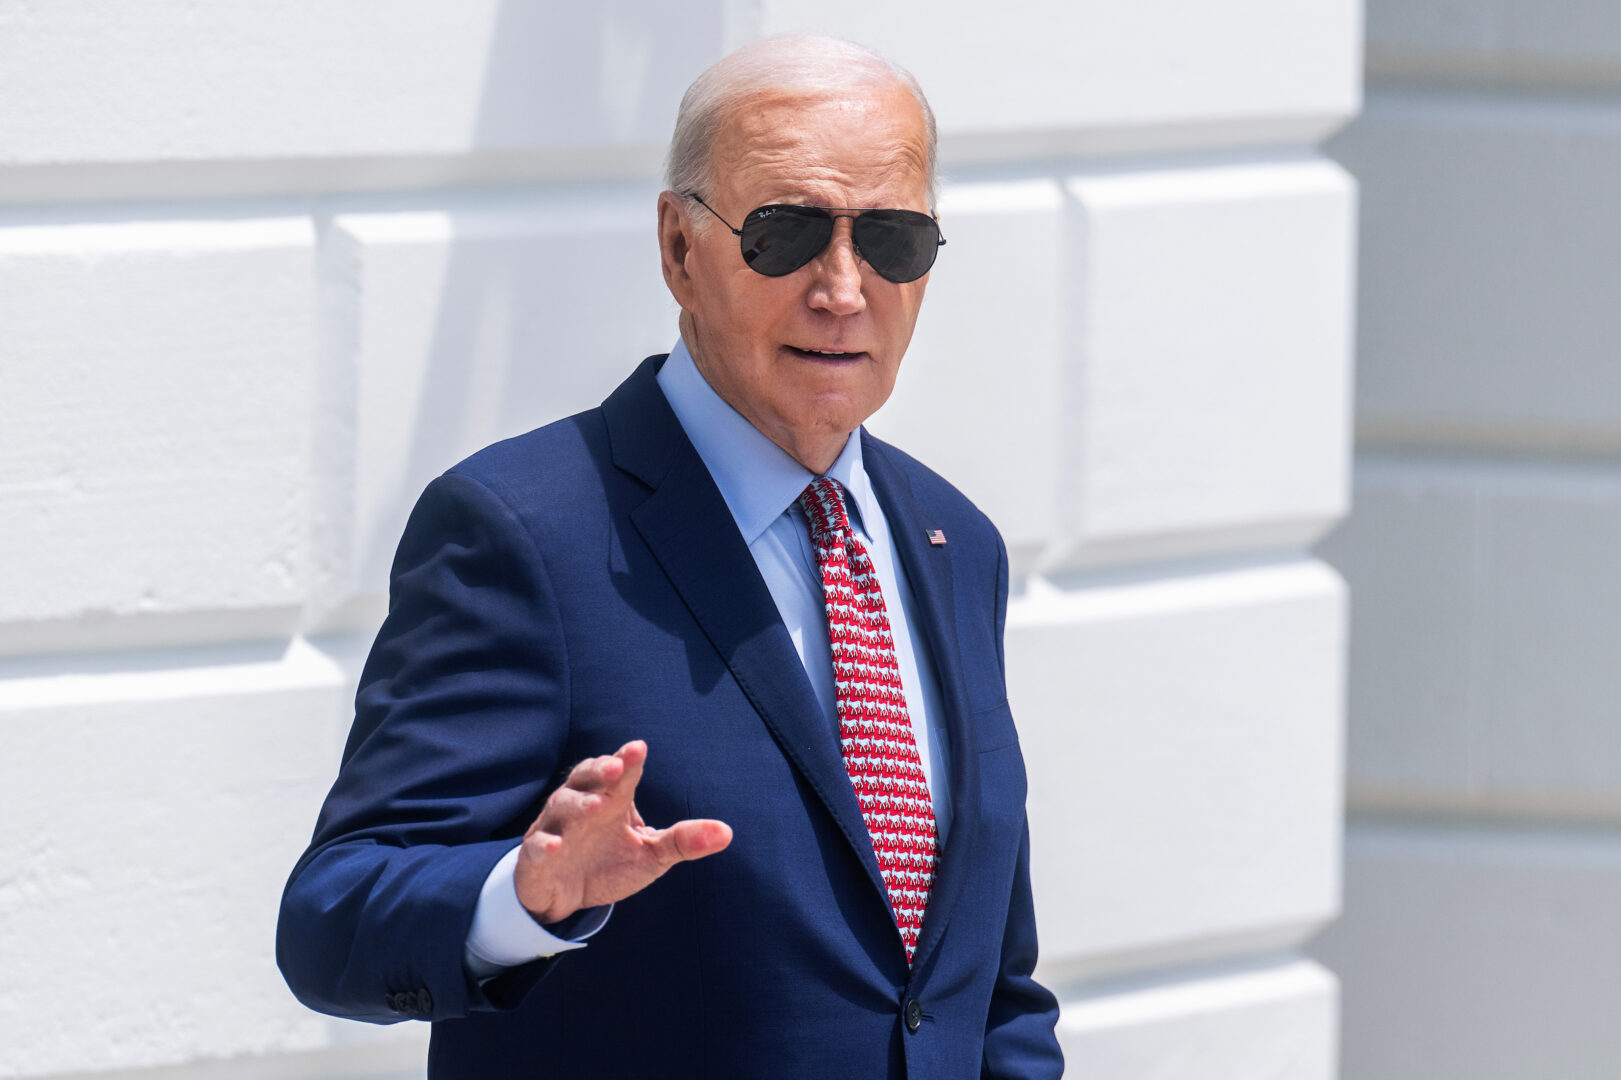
[(778, 240), (899, 244)]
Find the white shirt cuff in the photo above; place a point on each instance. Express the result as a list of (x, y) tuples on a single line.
[(505, 935)]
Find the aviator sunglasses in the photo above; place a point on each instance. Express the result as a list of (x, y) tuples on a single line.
[(776, 240)]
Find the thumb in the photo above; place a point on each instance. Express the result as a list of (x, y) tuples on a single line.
[(693, 839)]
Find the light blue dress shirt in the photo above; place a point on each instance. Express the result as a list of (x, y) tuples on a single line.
[(761, 484)]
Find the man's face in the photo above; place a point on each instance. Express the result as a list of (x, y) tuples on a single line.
[(763, 343)]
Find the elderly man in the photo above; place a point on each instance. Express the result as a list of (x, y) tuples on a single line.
[(711, 622)]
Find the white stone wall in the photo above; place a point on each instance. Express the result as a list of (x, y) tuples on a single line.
[(1481, 937), (265, 268)]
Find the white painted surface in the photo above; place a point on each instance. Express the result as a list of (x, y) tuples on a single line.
[(1484, 666), (467, 324), (1490, 271), (1479, 936), (1481, 951), (1135, 435), (170, 81), (1181, 441), (1154, 718), (155, 424), (1552, 41), (1140, 77), (99, 81), (1270, 1020), (150, 817)]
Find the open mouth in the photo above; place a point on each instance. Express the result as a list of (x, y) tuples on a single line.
[(824, 354)]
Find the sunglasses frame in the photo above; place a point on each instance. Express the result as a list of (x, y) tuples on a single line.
[(833, 213)]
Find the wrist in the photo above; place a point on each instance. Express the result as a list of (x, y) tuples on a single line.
[(547, 914), (568, 926), (537, 891)]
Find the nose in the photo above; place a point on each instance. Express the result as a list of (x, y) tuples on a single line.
[(836, 275)]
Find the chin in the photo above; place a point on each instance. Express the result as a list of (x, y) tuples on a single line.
[(846, 416)]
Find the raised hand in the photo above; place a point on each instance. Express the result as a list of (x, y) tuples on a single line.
[(589, 846)]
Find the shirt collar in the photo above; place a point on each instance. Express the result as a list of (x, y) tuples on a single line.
[(756, 477)]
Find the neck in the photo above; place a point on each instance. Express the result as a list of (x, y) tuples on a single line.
[(817, 461)]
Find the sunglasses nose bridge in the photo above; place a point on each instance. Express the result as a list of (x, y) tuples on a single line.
[(837, 285), (844, 232)]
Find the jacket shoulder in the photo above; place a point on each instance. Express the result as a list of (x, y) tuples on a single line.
[(563, 460)]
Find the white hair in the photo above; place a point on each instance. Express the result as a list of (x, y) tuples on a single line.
[(809, 63)]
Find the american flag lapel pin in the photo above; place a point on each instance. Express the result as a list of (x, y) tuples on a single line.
[(937, 537)]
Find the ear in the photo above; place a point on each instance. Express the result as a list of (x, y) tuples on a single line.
[(675, 245)]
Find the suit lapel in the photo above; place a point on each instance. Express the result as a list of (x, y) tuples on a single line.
[(688, 528), (929, 569)]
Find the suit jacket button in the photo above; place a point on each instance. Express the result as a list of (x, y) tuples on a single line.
[(424, 1001), (914, 1015), (394, 1003)]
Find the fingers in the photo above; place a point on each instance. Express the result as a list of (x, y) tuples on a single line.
[(692, 839), (565, 808), (595, 783), (612, 773), (633, 756), (540, 842), (598, 801), (596, 773)]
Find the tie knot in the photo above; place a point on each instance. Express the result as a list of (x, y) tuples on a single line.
[(823, 502)]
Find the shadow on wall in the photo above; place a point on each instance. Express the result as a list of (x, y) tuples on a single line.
[(482, 314)]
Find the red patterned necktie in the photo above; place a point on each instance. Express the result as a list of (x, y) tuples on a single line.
[(875, 729)]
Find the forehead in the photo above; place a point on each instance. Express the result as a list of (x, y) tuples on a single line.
[(856, 147)]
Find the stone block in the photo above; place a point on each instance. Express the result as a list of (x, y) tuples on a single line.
[(155, 429), (91, 81), (1043, 78), (457, 326), (152, 818), (1484, 635), (167, 83), (1470, 951), (1183, 742), (1516, 41), (1075, 343), (1487, 311), (1277, 1020), (1210, 310)]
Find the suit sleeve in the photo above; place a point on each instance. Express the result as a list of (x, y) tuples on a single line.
[(1020, 1041), (1019, 1038), (460, 723)]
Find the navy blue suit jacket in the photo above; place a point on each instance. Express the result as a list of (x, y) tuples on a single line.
[(582, 585)]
